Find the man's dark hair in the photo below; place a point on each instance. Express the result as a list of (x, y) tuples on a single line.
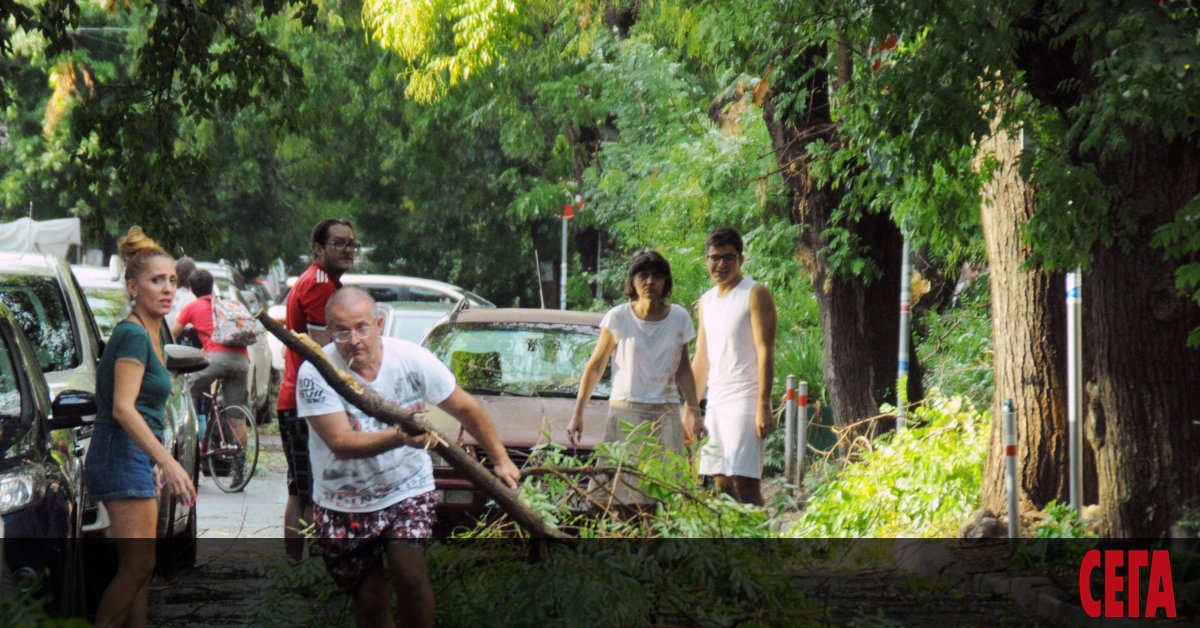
[(724, 236), (648, 261), (321, 231), (184, 267), (201, 283)]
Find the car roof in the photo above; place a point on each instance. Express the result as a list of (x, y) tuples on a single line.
[(355, 279), (95, 276), (422, 306), (28, 263), (528, 315)]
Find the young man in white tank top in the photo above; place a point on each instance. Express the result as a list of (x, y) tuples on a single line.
[(735, 362)]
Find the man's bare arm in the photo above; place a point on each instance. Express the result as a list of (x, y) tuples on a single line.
[(763, 325), (346, 443), (700, 361)]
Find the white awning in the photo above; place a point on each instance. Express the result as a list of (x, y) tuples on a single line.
[(44, 236)]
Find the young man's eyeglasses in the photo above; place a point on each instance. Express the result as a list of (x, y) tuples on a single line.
[(363, 331), (728, 258), (343, 245)]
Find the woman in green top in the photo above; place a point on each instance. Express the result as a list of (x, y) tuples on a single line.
[(127, 457)]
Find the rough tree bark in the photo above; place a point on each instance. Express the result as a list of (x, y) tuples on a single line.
[(1143, 396), (1028, 330), (859, 320), (1142, 377)]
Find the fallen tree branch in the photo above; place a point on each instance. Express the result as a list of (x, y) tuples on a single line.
[(371, 403)]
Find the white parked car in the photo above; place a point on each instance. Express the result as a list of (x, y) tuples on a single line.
[(389, 288)]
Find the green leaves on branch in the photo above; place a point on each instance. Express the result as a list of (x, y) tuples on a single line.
[(923, 481), (444, 41)]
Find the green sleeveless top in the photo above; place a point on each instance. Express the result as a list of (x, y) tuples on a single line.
[(131, 341)]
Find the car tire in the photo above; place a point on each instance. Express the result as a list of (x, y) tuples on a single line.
[(72, 596), (165, 558), (185, 544), (185, 554)]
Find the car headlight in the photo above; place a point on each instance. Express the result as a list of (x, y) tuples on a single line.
[(16, 492)]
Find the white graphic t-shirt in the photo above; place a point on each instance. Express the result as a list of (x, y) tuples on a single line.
[(411, 377)]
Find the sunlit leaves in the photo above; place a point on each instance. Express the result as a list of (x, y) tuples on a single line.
[(444, 41), (922, 481)]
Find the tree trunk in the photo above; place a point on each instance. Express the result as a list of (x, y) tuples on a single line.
[(1144, 402), (1028, 331), (859, 320)]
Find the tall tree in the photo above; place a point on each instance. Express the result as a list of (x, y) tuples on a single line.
[(1107, 98), (859, 317), (1028, 324)]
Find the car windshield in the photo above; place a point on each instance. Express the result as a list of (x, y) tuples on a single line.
[(41, 311), (109, 306), (10, 398), (411, 325), (528, 359)]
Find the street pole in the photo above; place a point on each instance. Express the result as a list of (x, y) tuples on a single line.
[(789, 432), (801, 432), (1074, 386), (1010, 466), (562, 282), (905, 314)]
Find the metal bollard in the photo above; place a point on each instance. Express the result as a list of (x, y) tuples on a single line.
[(1010, 461), (789, 432), (1075, 388), (801, 431)]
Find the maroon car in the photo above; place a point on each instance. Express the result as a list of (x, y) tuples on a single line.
[(524, 367)]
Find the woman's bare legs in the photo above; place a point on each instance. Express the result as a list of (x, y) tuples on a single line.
[(126, 601)]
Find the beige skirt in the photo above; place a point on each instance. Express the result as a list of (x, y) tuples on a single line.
[(662, 422)]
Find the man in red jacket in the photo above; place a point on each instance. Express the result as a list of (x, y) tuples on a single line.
[(333, 247)]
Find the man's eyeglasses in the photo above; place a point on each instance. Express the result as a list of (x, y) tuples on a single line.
[(363, 331), (343, 245), (728, 258)]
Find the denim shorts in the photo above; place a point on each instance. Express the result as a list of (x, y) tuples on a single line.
[(116, 468)]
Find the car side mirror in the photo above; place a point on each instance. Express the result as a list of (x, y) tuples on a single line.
[(181, 359), (72, 408)]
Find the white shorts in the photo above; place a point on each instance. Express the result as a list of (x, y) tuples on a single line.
[(733, 446)]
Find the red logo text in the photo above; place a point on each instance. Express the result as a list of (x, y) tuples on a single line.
[(1122, 593)]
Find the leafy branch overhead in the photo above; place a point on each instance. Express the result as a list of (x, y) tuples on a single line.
[(445, 41)]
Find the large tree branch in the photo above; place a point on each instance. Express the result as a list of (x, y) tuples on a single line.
[(371, 403)]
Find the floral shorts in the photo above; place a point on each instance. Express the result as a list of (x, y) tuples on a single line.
[(352, 541)]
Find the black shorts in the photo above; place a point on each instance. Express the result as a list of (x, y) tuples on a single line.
[(293, 431)]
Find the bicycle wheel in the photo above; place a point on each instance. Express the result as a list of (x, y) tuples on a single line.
[(231, 448)]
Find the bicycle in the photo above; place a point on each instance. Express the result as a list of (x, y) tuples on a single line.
[(229, 443)]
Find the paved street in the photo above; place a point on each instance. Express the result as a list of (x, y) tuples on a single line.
[(255, 513)]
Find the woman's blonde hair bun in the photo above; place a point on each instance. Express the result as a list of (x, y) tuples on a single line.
[(136, 248)]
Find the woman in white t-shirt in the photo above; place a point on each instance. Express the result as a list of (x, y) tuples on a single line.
[(647, 340)]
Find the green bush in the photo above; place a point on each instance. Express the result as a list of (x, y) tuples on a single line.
[(956, 349), (922, 481)]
